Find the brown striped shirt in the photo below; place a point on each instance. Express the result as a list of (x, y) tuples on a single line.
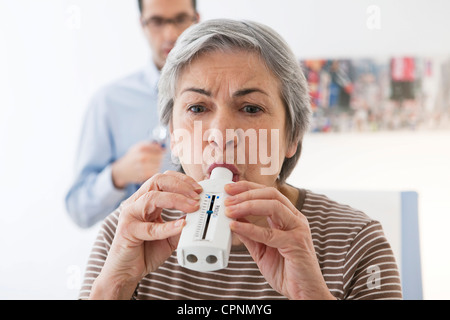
[(355, 258)]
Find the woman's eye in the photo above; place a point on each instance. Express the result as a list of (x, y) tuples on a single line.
[(251, 109), (197, 109)]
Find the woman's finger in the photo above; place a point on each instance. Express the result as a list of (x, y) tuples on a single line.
[(167, 182), (149, 231), (242, 186), (148, 206), (274, 238), (278, 213), (260, 193), (198, 188)]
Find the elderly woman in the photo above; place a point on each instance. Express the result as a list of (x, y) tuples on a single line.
[(287, 242)]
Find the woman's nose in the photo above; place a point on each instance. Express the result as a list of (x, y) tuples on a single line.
[(222, 131), (223, 141)]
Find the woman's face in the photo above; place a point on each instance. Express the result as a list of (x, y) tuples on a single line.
[(228, 112)]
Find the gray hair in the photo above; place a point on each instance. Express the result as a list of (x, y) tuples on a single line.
[(224, 34)]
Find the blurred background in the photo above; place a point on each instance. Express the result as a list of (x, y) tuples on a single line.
[(54, 54)]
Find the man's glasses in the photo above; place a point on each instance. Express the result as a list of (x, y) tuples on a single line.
[(182, 21)]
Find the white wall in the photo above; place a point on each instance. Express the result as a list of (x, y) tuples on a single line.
[(324, 28), (408, 161), (55, 53)]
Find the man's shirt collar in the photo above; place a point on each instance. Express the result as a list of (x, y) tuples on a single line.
[(152, 74)]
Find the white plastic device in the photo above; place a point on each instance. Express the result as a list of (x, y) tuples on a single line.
[(205, 241)]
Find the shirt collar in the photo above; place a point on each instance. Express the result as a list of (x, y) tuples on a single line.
[(152, 74)]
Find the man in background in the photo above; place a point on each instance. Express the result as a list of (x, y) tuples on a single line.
[(116, 153)]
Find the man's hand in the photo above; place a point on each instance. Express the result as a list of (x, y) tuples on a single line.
[(141, 162)]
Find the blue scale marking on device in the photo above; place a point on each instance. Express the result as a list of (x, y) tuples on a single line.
[(209, 212)]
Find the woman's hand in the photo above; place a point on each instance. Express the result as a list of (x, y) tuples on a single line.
[(143, 241), (282, 247)]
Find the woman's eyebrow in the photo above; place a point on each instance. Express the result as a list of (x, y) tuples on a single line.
[(243, 92), (197, 90), (237, 94)]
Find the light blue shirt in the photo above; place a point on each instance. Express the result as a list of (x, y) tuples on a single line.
[(119, 116)]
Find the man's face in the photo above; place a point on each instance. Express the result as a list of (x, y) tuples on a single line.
[(163, 21)]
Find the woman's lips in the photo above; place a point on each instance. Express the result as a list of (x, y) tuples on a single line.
[(230, 167)]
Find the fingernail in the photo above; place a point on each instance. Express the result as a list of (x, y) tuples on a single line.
[(179, 223), (193, 201), (194, 195), (230, 200), (229, 210), (197, 187)]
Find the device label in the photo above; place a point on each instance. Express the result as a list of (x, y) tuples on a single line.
[(209, 213)]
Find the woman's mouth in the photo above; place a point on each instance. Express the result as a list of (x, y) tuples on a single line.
[(230, 167)]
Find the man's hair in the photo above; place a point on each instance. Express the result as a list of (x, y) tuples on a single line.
[(141, 6), (225, 34)]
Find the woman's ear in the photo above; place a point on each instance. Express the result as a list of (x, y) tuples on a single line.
[(171, 136), (292, 149)]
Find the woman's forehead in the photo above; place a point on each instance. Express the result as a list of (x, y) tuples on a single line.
[(229, 71)]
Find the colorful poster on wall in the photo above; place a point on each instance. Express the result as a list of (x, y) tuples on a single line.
[(397, 93)]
